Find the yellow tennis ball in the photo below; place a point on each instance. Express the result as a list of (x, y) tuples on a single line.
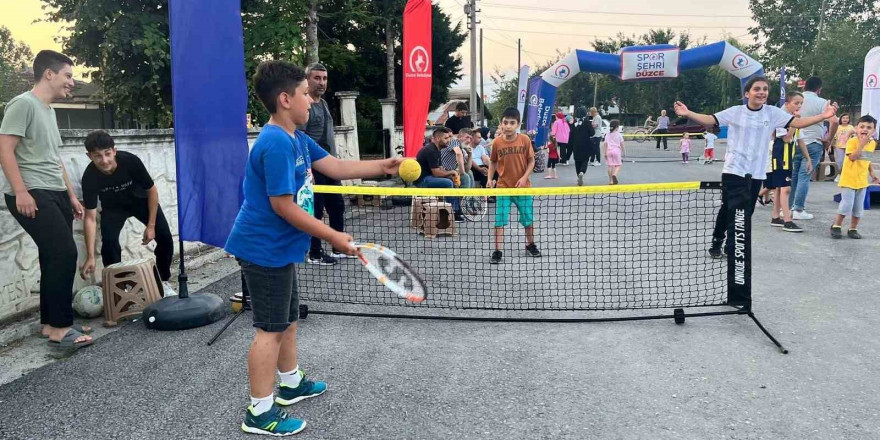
[(410, 170)]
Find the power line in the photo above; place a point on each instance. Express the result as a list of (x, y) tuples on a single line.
[(648, 14), (561, 33), (548, 33), (550, 21), (514, 47)]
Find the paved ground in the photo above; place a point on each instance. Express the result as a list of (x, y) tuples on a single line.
[(402, 379)]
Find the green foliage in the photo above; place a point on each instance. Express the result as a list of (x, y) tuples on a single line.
[(840, 61), (788, 29), (353, 49), (14, 57), (789, 33), (273, 30), (127, 44)]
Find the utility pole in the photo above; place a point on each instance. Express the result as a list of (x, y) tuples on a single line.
[(471, 10), (595, 88), (482, 91), (518, 54), (819, 36)]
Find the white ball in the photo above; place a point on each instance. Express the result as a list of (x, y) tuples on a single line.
[(89, 302)]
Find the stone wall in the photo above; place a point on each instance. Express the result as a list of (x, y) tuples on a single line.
[(19, 269)]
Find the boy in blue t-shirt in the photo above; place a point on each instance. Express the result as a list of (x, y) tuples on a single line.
[(272, 233)]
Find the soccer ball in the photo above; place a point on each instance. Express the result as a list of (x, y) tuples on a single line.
[(410, 170), (89, 302)]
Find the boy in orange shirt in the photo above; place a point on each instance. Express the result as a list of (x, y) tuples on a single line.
[(514, 159)]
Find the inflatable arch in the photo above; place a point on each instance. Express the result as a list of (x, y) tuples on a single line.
[(635, 63)]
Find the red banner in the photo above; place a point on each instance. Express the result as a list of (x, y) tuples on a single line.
[(417, 73)]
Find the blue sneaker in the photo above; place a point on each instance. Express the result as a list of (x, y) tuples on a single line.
[(273, 422), (306, 389)]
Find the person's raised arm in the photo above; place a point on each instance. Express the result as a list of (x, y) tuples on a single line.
[(338, 169), (682, 110), (827, 113)]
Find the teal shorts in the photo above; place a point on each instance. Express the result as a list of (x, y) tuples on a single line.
[(523, 205)]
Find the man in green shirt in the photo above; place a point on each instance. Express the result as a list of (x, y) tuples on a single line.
[(39, 195)]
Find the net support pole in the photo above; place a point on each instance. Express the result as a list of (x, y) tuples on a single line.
[(739, 256)]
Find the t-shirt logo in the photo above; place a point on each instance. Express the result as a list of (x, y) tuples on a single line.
[(300, 161), (766, 123)]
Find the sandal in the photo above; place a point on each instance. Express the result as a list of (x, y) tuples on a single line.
[(68, 345), (76, 327)]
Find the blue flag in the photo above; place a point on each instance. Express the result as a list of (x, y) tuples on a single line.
[(210, 106), (781, 87)]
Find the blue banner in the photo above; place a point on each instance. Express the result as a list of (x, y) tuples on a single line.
[(531, 116), (210, 106), (546, 105)]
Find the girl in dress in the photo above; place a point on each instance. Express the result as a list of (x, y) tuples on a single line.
[(614, 151)]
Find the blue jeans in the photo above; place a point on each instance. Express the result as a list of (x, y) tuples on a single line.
[(441, 182), (800, 178)]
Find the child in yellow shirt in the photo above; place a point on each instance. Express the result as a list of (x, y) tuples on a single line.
[(854, 178)]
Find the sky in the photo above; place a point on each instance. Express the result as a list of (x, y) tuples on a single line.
[(20, 17), (566, 25), (560, 25)]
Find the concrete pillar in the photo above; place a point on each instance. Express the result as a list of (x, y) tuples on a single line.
[(388, 122), (348, 113)]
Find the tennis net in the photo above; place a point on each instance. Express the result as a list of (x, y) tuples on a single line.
[(622, 247)]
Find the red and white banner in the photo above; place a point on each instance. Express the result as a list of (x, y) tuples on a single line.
[(417, 73)]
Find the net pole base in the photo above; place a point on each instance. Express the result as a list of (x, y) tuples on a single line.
[(244, 307), (782, 349)]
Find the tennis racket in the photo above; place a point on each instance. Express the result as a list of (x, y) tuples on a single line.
[(474, 208), (392, 271)]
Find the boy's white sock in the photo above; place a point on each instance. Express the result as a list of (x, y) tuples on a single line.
[(291, 378), (262, 404)]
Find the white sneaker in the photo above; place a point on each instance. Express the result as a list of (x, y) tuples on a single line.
[(595, 164), (168, 290), (580, 179), (340, 256), (837, 178), (801, 215)]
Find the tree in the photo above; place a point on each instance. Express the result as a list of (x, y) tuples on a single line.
[(355, 47), (128, 45), (14, 58), (840, 62), (788, 30)]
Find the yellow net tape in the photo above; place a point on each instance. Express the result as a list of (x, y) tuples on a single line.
[(545, 191)]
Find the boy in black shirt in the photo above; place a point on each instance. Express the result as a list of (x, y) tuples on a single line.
[(126, 190), (460, 119)]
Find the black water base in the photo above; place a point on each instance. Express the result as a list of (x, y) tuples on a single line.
[(176, 313)]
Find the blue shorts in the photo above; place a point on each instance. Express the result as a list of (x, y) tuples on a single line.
[(524, 206)]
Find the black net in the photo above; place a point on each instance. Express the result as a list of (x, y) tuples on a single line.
[(603, 251)]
